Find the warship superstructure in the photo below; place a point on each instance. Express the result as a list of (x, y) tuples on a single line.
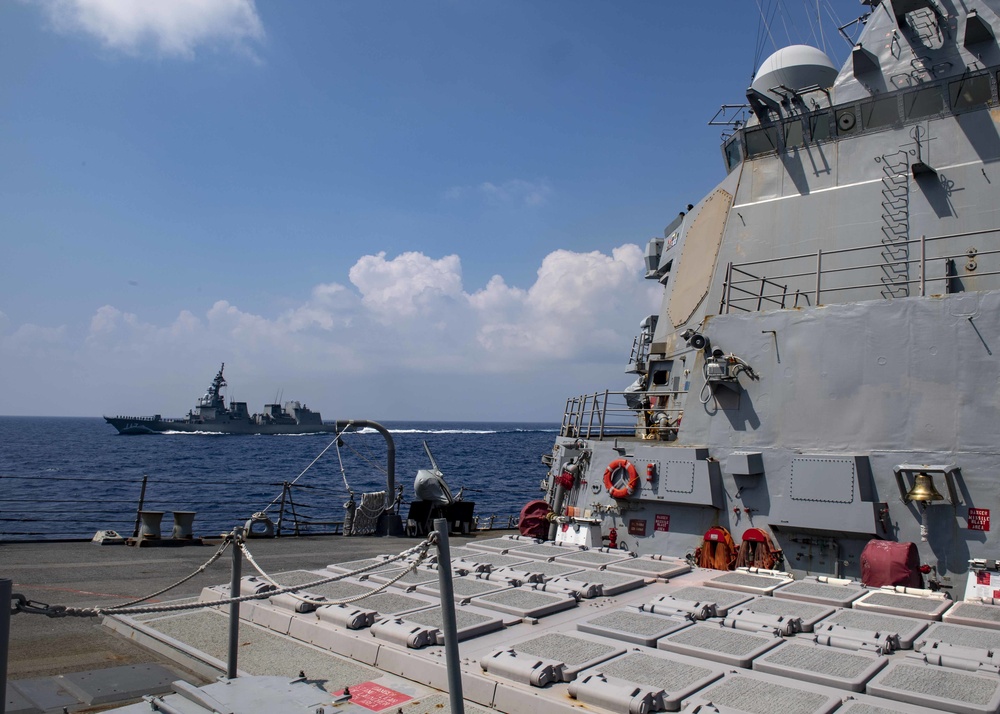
[(821, 377), (823, 370), (212, 415)]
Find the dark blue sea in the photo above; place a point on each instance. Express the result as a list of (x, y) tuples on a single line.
[(70, 477)]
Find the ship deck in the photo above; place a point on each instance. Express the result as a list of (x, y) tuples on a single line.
[(606, 633)]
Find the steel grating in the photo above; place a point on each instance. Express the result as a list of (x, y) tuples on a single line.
[(755, 695), (651, 567), (907, 628), (808, 613), (822, 593), (747, 583), (723, 600), (576, 652), (938, 687), (821, 665), (959, 635), (710, 641), (677, 679), (974, 613), (525, 603), (926, 608), (632, 626)]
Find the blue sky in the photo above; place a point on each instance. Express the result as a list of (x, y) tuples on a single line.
[(390, 210)]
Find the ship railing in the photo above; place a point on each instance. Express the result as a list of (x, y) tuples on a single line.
[(951, 263), (607, 414)]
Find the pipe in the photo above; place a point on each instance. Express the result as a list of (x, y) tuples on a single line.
[(390, 455), (449, 624)]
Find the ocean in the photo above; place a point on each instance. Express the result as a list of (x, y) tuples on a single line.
[(63, 477)]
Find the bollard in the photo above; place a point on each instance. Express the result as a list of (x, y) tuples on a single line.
[(234, 608), (184, 525), (449, 623), (150, 524)]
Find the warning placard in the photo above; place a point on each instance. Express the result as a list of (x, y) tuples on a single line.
[(637, 527), (979, 519), (375, 697), (662, 522)]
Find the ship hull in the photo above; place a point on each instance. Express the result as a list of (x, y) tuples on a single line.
[(133, 426)]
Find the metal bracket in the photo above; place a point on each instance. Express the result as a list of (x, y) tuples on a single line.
[(948, 470)]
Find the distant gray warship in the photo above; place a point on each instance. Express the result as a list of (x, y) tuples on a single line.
[(212, 415), (829, 328)]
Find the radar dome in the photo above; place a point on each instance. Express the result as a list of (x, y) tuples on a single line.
[(795, 67)]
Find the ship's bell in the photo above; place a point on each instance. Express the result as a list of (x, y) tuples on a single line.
[(923, 490)]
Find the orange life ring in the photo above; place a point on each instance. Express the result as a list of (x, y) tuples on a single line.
[(626, 489)]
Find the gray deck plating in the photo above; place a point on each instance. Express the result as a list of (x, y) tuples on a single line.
[(599, 650)]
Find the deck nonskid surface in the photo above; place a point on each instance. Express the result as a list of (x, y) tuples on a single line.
[(520, 645)]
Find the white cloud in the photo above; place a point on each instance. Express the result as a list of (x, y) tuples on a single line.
[(513, 192), (172, 27), (406, 321), (407, 285)]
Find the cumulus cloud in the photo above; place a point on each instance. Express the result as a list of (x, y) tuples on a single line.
[(407, 320), (516, 192), (171, 27)]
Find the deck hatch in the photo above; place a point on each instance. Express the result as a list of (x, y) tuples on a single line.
[(575, 652), (544, 551), (907, 628), (938, 687), (925, 608), (723, 600), (747, 582), (821, 665), (835, 594), (806, 613), (593, 558), (749, 693), (677, 679), (611, 583), (959, 635), (709, 641), (525, 603), (651, 567), (974, 613), (639, 628)]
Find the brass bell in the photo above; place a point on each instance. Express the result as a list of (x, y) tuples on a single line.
[(923, 490)]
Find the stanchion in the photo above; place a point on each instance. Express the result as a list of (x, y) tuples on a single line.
[(449, 623), (234, 607), (6, 590)]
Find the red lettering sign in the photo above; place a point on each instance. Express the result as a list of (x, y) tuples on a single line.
[(979, 519), (982, 577), (375, 696), (637, 527), (661, 522)]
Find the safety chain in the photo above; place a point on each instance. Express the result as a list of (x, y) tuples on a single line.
[(19, 603), (423, 547)]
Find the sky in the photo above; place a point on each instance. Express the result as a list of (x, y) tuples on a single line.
[(387, 209)]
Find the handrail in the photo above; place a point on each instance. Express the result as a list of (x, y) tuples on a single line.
[(753, 292), (608, 414)]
